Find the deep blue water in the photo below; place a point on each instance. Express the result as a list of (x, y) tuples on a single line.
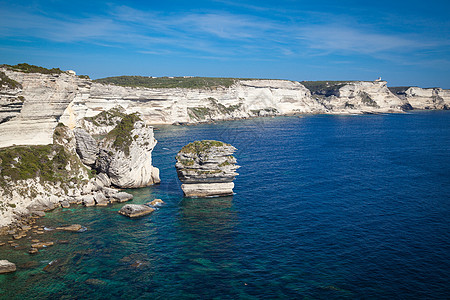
[(341, 207)]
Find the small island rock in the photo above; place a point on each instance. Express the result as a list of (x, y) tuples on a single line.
[(206, 168)]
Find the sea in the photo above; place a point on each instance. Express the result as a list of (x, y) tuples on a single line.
[(325, 207)]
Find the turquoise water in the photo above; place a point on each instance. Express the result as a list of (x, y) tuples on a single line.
[(342, 207)]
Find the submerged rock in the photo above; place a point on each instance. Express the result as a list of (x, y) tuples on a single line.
[(74, 227), (156, 202), (135, 210), (6, 266), (206, 169)]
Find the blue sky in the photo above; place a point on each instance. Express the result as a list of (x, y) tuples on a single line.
[(404, 42)]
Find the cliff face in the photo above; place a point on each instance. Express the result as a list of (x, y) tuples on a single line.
[(433, 98), (32, 109), (43, 99), (360, 97)]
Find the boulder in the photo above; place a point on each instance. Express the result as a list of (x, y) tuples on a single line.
[(88, 200), (135, 210), (6, 266), (42, 245), (86, 146), (103, 180), (108, 192), (101, 199), (65, 204), (206, 169), (122, 197)]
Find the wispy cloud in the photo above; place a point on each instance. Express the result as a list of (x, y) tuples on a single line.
[(211, 34)]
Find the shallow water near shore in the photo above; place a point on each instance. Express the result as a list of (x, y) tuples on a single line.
[(339, 207)]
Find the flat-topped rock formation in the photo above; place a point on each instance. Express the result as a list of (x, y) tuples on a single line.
[(206, 169)]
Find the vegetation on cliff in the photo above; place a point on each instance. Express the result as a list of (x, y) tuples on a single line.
[(7, 82), (26, 68), (24, 162), (121, 134), (199, 147), (170, 82), (214, 108), (108, 117)]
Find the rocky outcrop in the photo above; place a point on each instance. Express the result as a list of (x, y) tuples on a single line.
[(206, 169), (39, 178), (419, 98), (73, 227), (358, 97), (135, 210), (6, 267), (125, 154)]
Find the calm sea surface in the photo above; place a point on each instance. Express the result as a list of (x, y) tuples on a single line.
[(340, 207)]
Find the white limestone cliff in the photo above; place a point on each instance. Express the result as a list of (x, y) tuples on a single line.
[(431, 98), (363, 97)]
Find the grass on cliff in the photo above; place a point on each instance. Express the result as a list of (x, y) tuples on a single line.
[(170, 82), (108, 117), (199, 147), (121, 134), (26, 68), (8, 82), (24, 162)]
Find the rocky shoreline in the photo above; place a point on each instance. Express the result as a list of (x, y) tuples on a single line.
[(36, 179)]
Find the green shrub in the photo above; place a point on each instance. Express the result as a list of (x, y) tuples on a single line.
[(24, 162), (108, 117), (201, 146), (26, 68), (121, 134), (8, 82), (170, 82)]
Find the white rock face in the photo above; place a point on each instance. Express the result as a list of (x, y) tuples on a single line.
[(66, 98), (364, 97), (433, 98), (46, 97), (133, 169)]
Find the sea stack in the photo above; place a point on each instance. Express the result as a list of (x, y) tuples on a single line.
[(206, 169)]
